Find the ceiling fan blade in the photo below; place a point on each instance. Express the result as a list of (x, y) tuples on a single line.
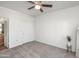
[(31, 7), (31, 2), (41, 10), (46, 5)]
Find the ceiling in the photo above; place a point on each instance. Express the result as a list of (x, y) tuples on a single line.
[(23, 5)]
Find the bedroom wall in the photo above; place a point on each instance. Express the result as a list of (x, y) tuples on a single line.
[(52, 28), (21, 27)]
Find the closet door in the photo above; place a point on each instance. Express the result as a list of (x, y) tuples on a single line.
[(77, 44)]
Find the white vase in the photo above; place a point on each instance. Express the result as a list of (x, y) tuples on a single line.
[(69, 47)]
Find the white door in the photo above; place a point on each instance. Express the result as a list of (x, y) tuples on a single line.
[(6, 34), (77, 44)]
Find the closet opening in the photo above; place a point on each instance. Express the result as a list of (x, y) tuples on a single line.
[(3, 33)]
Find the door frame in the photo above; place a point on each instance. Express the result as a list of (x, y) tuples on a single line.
[(6, 31)]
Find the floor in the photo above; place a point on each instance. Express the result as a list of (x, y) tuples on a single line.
[(35, 49), (2, 47)]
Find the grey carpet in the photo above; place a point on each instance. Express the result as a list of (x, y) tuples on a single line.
[(35, 49)]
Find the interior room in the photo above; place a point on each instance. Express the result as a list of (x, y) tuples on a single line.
[(39, 29)]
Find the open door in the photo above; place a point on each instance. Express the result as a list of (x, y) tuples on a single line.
[(6, 33)]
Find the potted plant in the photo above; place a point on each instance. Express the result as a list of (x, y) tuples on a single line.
[(69, 46)]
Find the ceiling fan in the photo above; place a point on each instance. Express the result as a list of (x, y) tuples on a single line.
[(38, 5)]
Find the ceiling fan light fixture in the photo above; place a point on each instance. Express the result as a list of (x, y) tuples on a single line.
[(37, 6)]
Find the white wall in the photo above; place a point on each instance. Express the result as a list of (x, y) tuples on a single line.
[(21, 27), (52, 28)]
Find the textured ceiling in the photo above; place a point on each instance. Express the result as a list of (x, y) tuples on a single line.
[(23, 5)]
